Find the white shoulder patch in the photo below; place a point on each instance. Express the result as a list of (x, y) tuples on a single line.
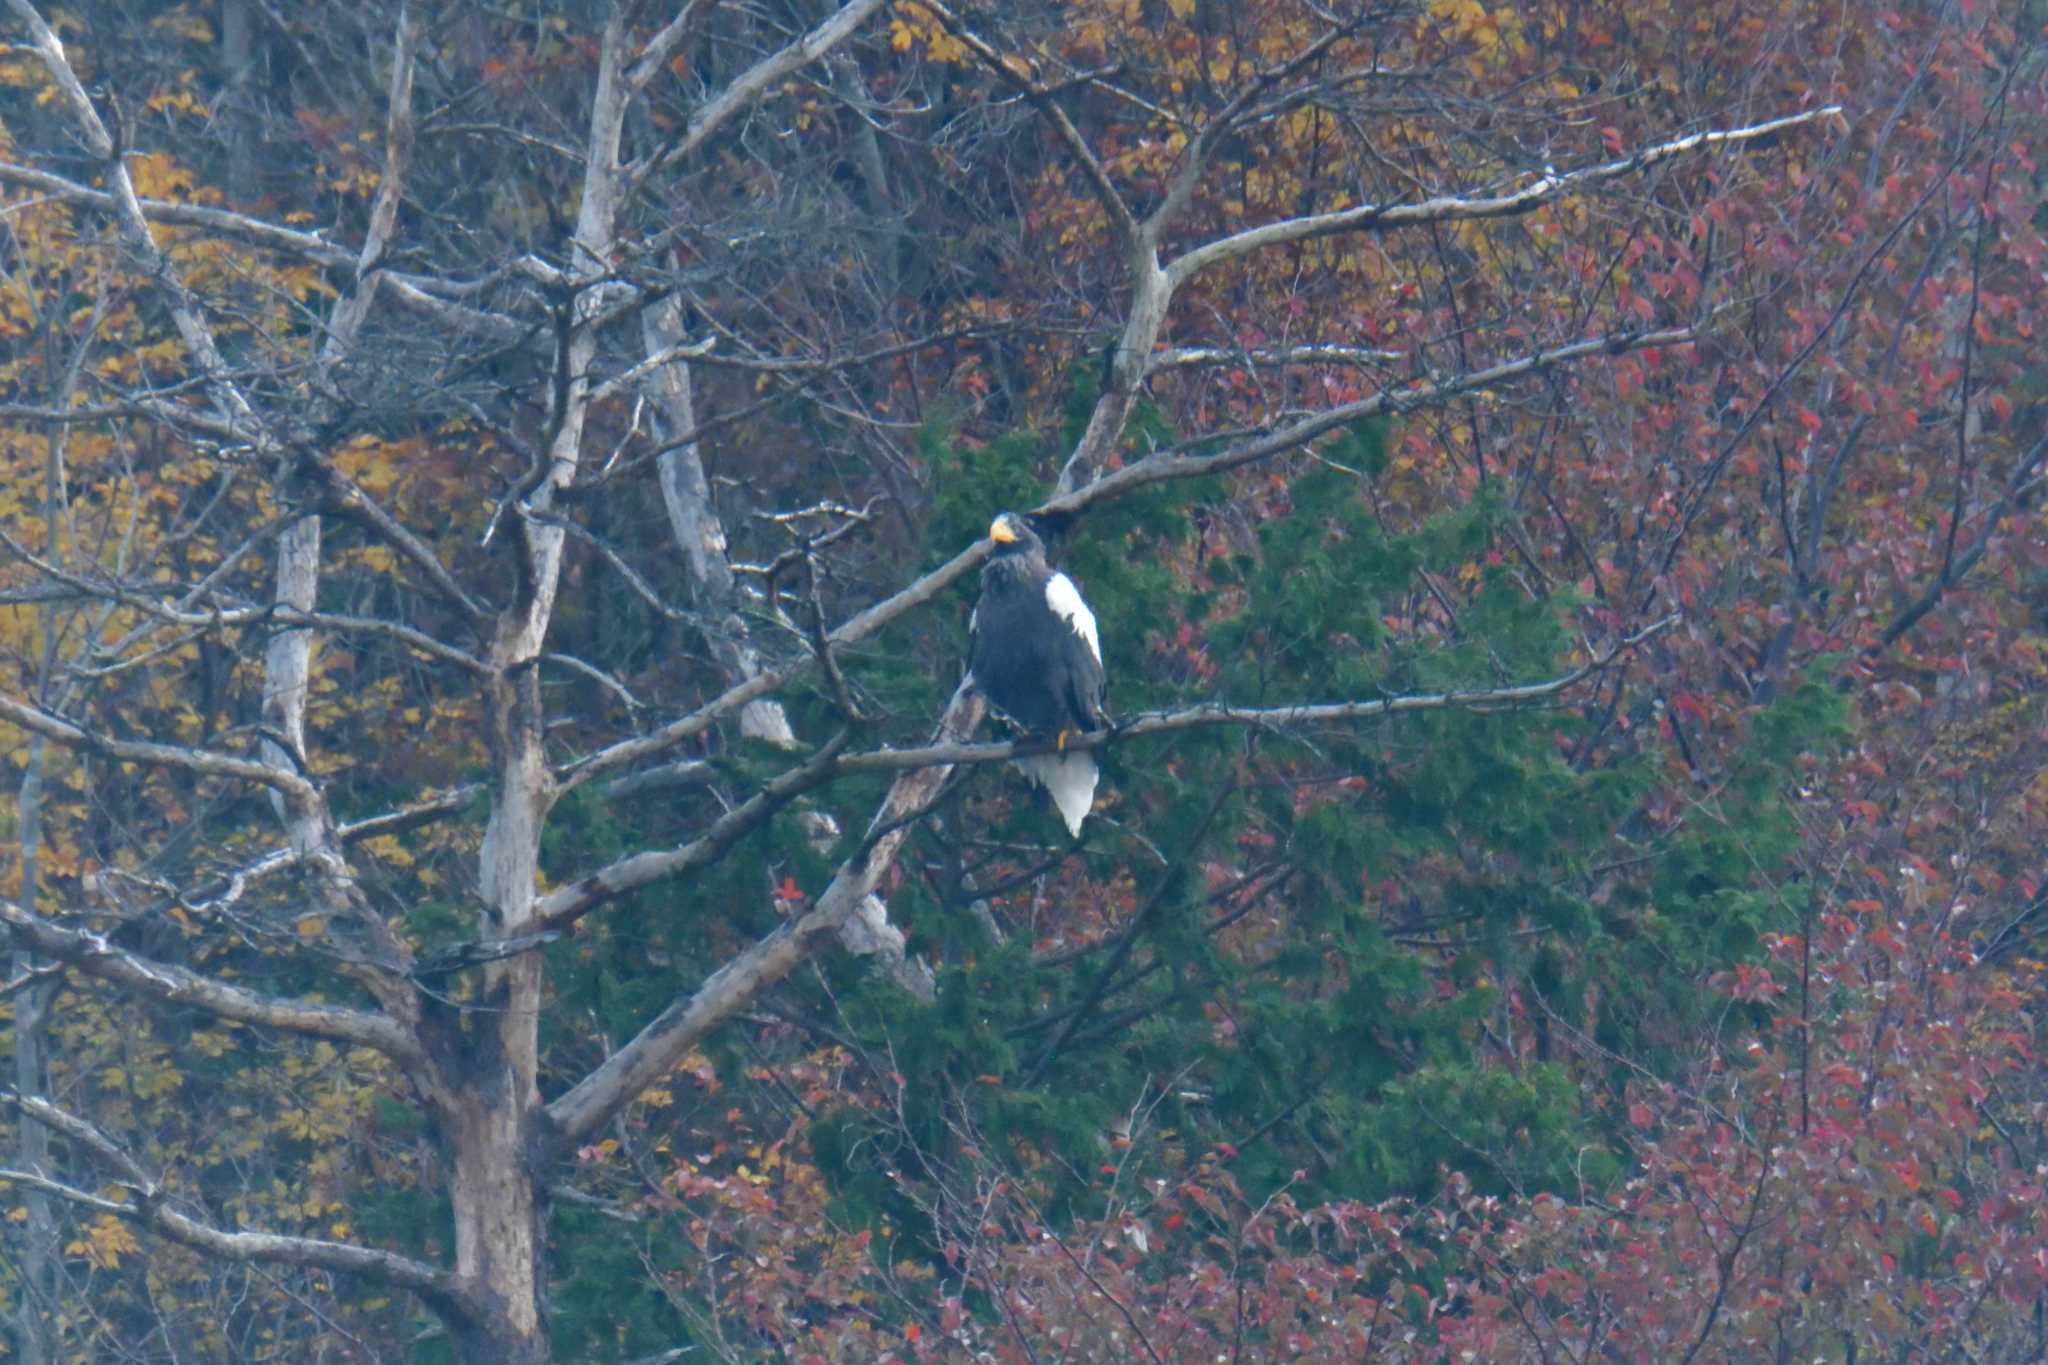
[(1065, 600)]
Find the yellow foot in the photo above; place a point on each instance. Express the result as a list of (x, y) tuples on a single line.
[(1059, 743)]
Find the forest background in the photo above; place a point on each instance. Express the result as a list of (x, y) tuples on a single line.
[(498, 862)]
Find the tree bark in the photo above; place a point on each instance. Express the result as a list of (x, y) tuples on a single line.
[(494, 1094), (686, 496)]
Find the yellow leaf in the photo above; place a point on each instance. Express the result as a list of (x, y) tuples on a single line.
[(107, 1242)]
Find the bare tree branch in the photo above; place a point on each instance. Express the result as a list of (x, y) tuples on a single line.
[(1180, 356), (94, 955), (345, 498), (1453, 208), (630, 752), (1195, 158), (238, 227), (1020, 73), (1271, 717), (135, 234), (202, 761), (152, 1210), (566, 904), (347, 321), (753, 82), (694, 522), (663, 44), (99, 589), (1174, 465), (231, 887), (672, 1033)]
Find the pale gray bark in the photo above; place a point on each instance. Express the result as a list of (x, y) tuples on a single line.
[(671, 1034), (490, 1115), (694, 522), (700, 534)]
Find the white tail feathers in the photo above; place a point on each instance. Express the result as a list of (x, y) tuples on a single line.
[(1069, 779)]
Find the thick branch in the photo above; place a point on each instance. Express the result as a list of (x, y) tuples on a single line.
[(96, 957), (730, 989), (694, 522)]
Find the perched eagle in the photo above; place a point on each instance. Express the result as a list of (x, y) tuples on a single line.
[(1037, 659)]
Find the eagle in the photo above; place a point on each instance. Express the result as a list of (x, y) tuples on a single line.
[(1038, 660)]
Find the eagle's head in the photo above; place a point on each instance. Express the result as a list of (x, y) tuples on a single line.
[(1013, 535)]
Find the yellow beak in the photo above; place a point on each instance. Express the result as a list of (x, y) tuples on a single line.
[(1003, 531)]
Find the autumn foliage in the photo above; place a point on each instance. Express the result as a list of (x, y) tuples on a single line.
[(482, 495)]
